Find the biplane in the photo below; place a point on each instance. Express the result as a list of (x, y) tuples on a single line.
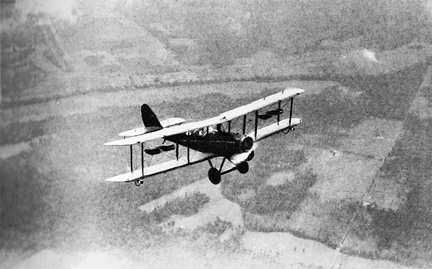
[(208, 139)]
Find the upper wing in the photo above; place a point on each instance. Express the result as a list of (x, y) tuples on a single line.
[(224, 117), (263, 102)]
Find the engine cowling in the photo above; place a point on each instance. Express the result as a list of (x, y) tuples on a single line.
[(246, 143)]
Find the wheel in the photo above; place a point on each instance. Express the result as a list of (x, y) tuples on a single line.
[(214, 176), (243, 168), (137, 182)]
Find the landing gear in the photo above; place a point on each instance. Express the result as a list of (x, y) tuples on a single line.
[(251, 156), (138, 182), (214, 175), (243, 167), (289, 130)]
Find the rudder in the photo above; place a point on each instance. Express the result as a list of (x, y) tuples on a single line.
[(149, 117)]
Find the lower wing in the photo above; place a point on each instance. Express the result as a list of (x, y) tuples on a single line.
[(274, 128), (262, 133), (194, 157)]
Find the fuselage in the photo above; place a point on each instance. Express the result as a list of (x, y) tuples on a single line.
[(218, 142)]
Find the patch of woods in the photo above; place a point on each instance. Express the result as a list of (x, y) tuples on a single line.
[(126, 226), (186, 206), (215, 228), (336, 109), (286, 197), (331, 107), (386, 96), (17, 132), (23, 226), (271, 200)]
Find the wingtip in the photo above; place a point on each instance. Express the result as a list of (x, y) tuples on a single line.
[(112, 143), (297, 90)]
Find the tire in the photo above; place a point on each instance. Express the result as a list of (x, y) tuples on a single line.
[(214, 176), (243, 168)]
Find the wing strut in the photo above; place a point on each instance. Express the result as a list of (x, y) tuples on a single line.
[(244, 124), (278, 114), (291, 108), (229, 126), (188, 153), (142, 159), (223, 161), (177, 151), (256, 123), (131, 158)]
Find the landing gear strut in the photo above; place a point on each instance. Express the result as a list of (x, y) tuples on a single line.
[(214, 175), (138, 182)]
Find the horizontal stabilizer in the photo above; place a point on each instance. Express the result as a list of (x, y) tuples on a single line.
[(143, 130)]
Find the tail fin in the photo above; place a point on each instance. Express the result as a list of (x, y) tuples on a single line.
[(149, 118)]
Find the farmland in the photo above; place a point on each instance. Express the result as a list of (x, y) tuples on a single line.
[(349, 187)]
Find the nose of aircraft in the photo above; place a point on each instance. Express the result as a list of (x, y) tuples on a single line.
[(246, 143)]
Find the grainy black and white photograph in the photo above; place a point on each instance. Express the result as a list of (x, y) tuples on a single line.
[(216, 134)]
